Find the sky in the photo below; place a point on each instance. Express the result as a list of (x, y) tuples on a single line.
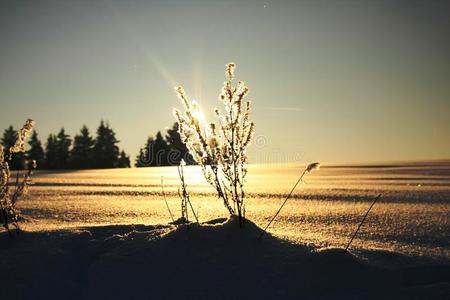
[(332, 81)]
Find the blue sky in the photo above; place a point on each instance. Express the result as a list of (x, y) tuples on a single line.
[(335, 81)]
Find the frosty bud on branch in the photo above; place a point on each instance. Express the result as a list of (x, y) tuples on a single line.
[(182, 95), (177, 115), (250, 134), (312, 167), (2, 154), (248, 107), (24, 132), (230, 70), (182, 162), (4, 168)]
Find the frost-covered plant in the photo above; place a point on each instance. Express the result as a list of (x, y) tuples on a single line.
[(8, 199), (220, 148)]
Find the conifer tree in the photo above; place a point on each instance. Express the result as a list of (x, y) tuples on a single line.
[(63, 143), (124, 160), (51, 153), (81, 155), (144, 158), (164, 151), (138, 160), (8, 140), (155, 152), (159, 151), (177, 147), (106, 151), (36, 151)]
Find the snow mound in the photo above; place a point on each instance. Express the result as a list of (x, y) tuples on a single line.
[(218, 229), (215, 259), (336, 257)]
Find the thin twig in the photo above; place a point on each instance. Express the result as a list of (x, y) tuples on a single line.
[(17, 182), (282, 205), (182, 195), (186, 195), (189, 201), (165, 200), (362, 221)]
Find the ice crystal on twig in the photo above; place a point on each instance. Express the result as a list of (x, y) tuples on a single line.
[(24, 133)]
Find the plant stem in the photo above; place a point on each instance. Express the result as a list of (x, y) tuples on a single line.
[(362, 221), (233, 159), (165, 200), (195, 216), (282, 205), (185, 196)]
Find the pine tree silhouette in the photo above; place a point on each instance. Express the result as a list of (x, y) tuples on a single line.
[(106, 152), (51, 153), (63, 143), (146, 154), (176, 146), (86, 152), (154, 153), (81, 155), (159, 151), (164, 151), (124, 160), (36, 151), (141, 158), (8, 140)]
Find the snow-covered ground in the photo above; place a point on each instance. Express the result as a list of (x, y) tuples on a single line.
[(104, 234), (216, 260)]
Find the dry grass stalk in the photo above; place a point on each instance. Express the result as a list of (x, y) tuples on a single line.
[(184, 195), (362, 221), (308, 169), (165, 199)]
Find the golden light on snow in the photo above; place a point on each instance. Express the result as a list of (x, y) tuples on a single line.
[(322, 211)]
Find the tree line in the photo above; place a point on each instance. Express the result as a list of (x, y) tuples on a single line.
[(162, 150), (61, 152), (86, 152)]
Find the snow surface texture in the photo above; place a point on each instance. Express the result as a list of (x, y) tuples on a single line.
[(73, 247), (412, 217), (212, 260)]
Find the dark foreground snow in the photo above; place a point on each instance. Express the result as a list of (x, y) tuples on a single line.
[(216, 260)]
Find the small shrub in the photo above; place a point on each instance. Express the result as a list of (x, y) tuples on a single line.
[(9, 214), (220, 149)]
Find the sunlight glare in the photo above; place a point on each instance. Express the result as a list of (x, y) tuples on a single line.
[(198, 113)]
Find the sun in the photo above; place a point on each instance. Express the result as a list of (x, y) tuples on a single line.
[(197, 113)]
